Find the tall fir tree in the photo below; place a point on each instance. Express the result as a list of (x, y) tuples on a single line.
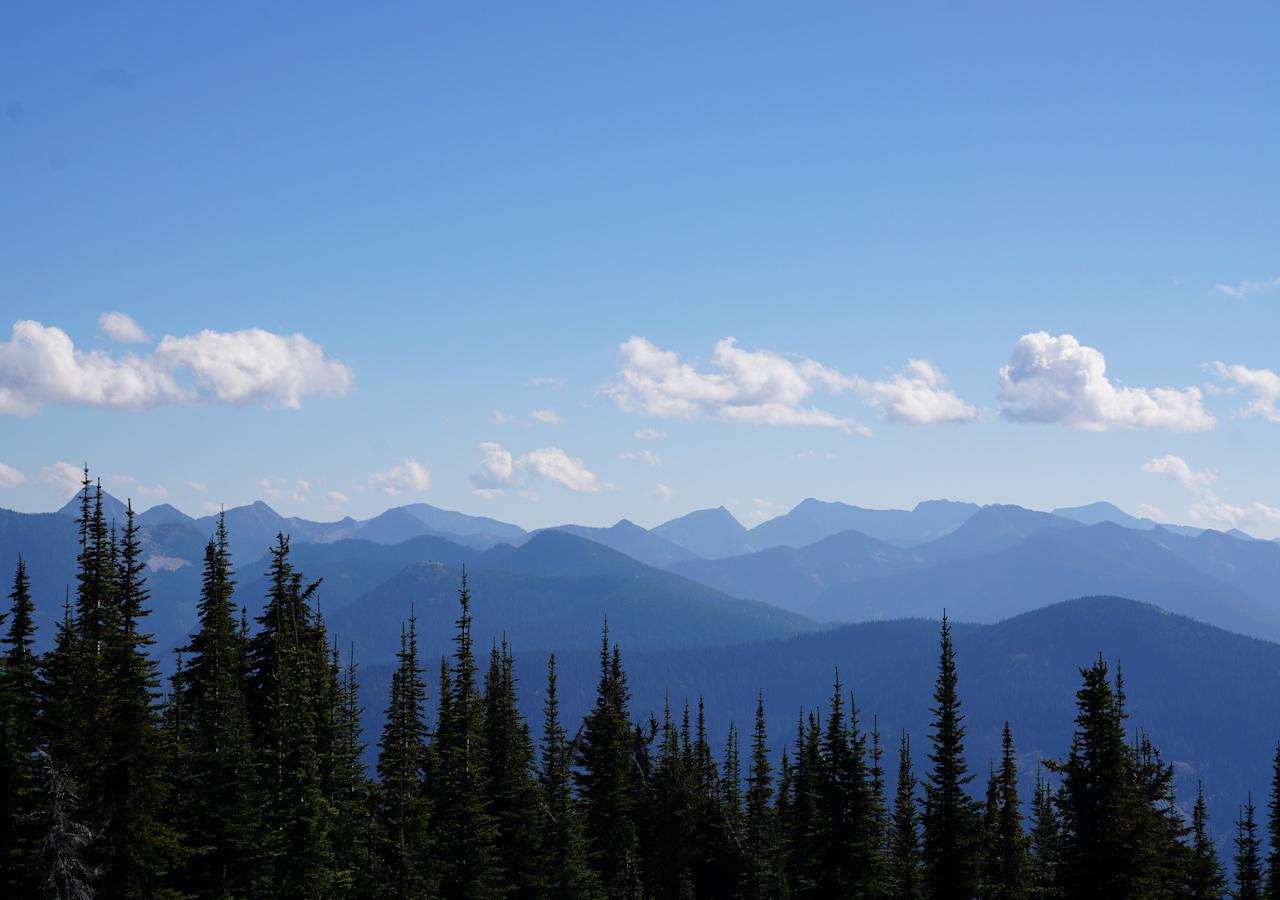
[(1206, 879), (1248, 863), (567, 874), (1045, 844), (19, 741), (605, 781), (403, 813), (762, 876), (952, 825), (1273, 831), (463, 829), (510, 783), (209, 725), (1005, 868), (904, 846)]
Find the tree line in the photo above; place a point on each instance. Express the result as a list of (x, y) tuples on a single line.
[(243, 777)]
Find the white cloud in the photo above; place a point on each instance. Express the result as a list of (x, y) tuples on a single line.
[(1148, 511), (1176, 467), (130, 485), (500, 470), (752, 387), (1207, 508), (10, 477), (917, 396), (762, 509), (545, 416), (1057, 379), (41, 366), (648, 457), (256, 366), (337, 498), (648, 434), (498, 417), (121, 328), (1244, 288), (488, 493), (664, 492), (406, 477), (64, 476), (198, 486), (545, 381), (1263, 385)]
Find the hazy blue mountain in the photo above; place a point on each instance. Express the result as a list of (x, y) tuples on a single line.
[(812, 520), (444, 521), (113, 508), (627, 537), (793, 578), (1077, 561), (709, 533), (990, 529), (392, 527), (1251, 566), (554, 592), (164, 514), (1102, 511)]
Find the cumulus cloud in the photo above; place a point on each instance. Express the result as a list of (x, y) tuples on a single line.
[(198, 486), (121, 328), (1262, 386), (41, 366), (1207, 508), (664, 492), (750, 387), (409, 476), (63, 476), (10, 477), (1244, 288), (648, 457), (545, 416), (917, 396), (500, 470), (1057, 379)]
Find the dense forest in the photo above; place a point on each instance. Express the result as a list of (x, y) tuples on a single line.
[(243, 775)]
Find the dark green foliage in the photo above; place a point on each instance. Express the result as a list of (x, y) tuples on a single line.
[(904, 841), (1273, 831), (19, 743), (952, 826), (763, 878), (1205, 878), (1004, 870), (1248, 865), (403, 837), (565, 870)]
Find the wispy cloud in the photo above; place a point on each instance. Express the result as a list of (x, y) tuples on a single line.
[(406, 477), (546, 381), (121, 328), (63, 476), (1262, 385), (545, 416), (1207, 508), (1244, 288), (648, 457), (10, 477)]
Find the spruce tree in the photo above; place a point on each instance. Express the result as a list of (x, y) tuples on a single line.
[(510, 785), (1005, 869), (904, 847), (952, 826), (760, 837), (19, 742), (1045, 844), (1273, 831), (605, 781), (403, 813), (462, 827), (567, 875), (1206, 879), (139, 847), (1248, 865)]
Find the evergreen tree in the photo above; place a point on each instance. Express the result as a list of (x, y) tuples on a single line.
[(904, 847), (283, 705), (67, 840), (567, 875), (1205, 878), (19, 741), (760, 836), (952, 826), (1005, 868), (403, 812), (605, 781), (1273, 831), (139, 846), (1046, 844), (510, 784), (463, 829), (209, 727), (1248, 874)]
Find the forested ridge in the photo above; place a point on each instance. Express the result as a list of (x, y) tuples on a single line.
[(241, 776)]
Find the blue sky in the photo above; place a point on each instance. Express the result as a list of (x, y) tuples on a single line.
[(466, 209)]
